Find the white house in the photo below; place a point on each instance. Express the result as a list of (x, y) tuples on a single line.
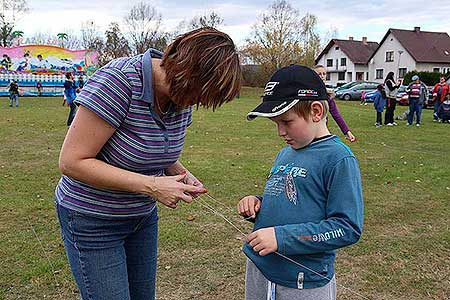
[(401, 51), (346, 60)]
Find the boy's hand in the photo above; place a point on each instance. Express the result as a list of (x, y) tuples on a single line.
[(249, 206), (263, 241)]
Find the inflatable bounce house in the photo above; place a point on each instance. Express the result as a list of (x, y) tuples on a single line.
[(40, 69)]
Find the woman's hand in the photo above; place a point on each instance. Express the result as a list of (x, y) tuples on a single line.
[(249, 206), (349, 136), (169, 190), (192, 180), (263, 241)]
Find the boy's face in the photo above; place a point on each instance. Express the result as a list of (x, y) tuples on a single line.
[(294, 129), (322, 73)]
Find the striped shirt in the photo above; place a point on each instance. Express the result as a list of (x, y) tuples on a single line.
[(121, 93)]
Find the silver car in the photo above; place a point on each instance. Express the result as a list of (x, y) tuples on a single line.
[(355, 91)]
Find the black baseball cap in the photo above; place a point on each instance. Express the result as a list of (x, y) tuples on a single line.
[(287, 87)]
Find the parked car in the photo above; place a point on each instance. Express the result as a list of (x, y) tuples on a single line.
[(369, 97), (402, 95), (355, 91), (347, 85), (403, 99), (351, 84)]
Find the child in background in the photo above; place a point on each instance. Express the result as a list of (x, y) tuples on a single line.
[(312, 203), (70, 90), (334, 111), (379, 102)]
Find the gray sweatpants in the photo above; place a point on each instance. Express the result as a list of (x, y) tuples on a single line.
[(256, 288)]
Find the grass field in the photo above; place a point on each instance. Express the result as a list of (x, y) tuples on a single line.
[(404, 252)]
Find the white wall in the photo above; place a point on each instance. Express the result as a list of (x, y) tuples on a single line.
[(379, 59), (406, 60), (333, 71)]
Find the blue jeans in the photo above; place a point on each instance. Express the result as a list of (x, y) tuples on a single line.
[(73, 110), (437, 104), (111, 259), (14, 98), (414, 106)]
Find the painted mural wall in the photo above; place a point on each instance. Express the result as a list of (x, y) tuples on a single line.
[(46, 59)]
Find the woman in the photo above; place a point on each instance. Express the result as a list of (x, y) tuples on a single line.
[(333, 109), (391, 98), (127, 134), (440, 91)]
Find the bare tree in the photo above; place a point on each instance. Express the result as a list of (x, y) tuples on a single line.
[(210, 19), (276, 38), (90, 35), (310, 38), (143, 23), (116, 45), (10, 11)]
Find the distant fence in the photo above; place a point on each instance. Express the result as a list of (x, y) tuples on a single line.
[(52, 85)]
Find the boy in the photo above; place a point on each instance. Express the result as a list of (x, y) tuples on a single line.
[(70, 93), (13, 88), (312, 202)]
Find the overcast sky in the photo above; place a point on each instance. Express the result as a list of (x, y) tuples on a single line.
[(355, 18)]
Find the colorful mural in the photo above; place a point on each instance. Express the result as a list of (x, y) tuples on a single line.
[(45, 59)]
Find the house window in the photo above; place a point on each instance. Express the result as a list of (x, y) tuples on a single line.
[(329, 62), (328, 76), (436, 70), (337, 48), (343, 61), (402, 72), (389, 56), (367, 76), (341, 76), (379, 74)]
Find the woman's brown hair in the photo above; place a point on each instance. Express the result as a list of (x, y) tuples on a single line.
[(202, 67)]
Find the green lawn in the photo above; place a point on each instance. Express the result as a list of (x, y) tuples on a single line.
[(404, 252)]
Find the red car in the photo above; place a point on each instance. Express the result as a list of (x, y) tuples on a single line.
[(402, 97)]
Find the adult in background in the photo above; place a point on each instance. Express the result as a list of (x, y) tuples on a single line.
[(440, 91), (417, 93), (13, 89), (121, 155), (391, 88), (70, 93)]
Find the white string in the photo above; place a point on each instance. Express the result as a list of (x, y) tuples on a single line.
[(43, 250), (210, 208)]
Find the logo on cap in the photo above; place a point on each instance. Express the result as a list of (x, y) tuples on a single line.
[(268, 90), (279, 106), (307, 93)]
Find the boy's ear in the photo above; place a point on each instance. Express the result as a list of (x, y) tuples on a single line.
[(317, 111)]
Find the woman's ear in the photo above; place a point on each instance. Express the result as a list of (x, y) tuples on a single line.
[(317, 111)]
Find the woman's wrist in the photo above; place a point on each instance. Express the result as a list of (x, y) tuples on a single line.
[(147, 185)]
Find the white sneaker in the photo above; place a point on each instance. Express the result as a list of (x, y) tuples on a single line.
[(389, 124), (408, 124), (417, 125), (395, 124)]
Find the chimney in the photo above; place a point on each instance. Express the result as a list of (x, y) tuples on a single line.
[(364, 40), (416, 29), (350, 38)]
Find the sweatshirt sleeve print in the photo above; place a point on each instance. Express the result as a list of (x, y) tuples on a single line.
[(344, 216)]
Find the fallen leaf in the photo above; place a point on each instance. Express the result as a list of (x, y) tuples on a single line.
[(190, 218)]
